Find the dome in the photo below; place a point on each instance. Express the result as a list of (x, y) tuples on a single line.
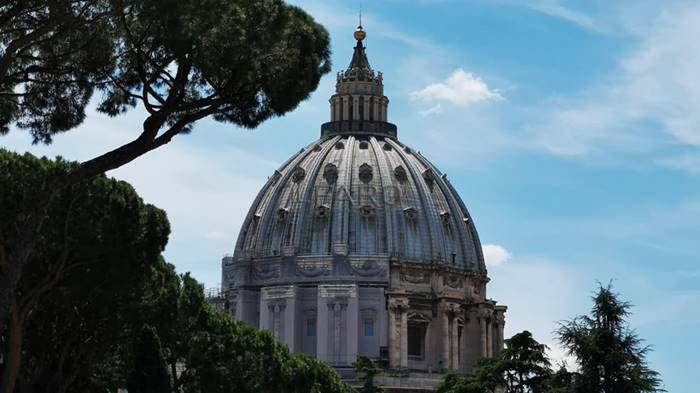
[(359, 246), (361, 194)]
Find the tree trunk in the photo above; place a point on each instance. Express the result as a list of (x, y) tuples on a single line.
[(14, 351)]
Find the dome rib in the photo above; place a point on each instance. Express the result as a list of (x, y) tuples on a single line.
[(385, 175), (305, 198)]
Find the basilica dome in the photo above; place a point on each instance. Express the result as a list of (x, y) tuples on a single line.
[(359, 246)]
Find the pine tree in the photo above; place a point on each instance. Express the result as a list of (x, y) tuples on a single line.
[(367, 369), (149, 373), (610, 355), (524, 365)]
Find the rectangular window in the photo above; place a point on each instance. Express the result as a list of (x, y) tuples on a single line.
[(311, 327), (416, 337), (369, 327)]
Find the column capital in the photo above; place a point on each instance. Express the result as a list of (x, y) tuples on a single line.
[(395, 304)]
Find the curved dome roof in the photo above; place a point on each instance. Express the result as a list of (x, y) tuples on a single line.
[(361, 195), (358, 191)]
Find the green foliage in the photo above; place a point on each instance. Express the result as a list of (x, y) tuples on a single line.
[(484, 379), (148, 371), (610, 355), (218, 354), (366, 370), (239, 61), (54, 55), (562, 381), (97, 277), (524, 365), (96, 249)]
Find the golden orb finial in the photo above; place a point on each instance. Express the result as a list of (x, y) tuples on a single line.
[(360, 33)]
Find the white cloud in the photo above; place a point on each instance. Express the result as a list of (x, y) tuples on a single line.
[(652, 97), (460, 89), (433, 110), (688, 162), (527, 288), (495, 255), (555, 9)]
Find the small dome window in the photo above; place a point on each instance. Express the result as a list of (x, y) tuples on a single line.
[(322, 211), (429, 176), (365, 173), (410, 213), (400, 173), (339, 146), (317, 147), (445, 216), (386, 146), (282, 213), (298, 175), (256, 217), (367, 210), (364, 145), (330, 173), (407, 150)]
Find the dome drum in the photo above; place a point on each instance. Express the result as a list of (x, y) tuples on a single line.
[(358, 127)]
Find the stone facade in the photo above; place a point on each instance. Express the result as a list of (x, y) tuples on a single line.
[(358, 245)]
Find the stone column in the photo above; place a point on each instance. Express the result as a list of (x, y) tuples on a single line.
[(346, 108), (404, 338), (393, 348), (489, 345), (455, 344), (484, 342), (446, 338), (355, 107), (322, 328), (375, 108), (366, 108), (385, 107)]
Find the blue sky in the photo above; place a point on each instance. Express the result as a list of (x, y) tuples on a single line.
[(570, 128)]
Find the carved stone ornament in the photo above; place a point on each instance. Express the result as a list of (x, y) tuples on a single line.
[(281, 292), (418, 317), (338, 290), (415, 276), (485, 313), (367, 268), (313, 269), (265, 272), (397, 304), (453, 281)]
